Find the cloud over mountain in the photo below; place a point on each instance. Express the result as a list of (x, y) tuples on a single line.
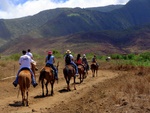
[(21, 8)]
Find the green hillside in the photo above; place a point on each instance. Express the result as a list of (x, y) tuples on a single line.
[(121, 27)]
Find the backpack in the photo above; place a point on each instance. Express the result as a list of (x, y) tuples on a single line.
[(67, 59)]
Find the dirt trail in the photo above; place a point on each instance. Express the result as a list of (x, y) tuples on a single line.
[(9, 103)]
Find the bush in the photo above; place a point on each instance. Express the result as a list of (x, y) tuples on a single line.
[(14, 57)]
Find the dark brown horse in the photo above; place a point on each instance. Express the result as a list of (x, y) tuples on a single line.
[(47, 74), (94, 68), (24, 81), (82, 72), (69, 72)]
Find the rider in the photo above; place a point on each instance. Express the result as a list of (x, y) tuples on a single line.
[(31, 56), (25, 63), (84, 61), (29, 53), (50, 60), (94, 60), (68, 53), (79, 61)]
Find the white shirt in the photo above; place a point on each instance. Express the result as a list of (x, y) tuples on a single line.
[(25, 61), (29, 54)]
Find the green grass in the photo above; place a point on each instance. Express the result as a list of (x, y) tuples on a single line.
[(142, 59)]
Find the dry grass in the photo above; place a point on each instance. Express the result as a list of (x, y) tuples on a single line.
[(131, 92), (127, 93)]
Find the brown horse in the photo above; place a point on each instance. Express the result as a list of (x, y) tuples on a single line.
[(24, 81), (69, 71), (34, 68), (82, 72), (94, 68), (47, 73)]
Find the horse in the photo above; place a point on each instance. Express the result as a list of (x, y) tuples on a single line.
[(47, 73), (24, 81), (94, 68), (82, 72), (69, 72), (34, 68)]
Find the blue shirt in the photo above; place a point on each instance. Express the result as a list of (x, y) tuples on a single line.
[(51, 60)]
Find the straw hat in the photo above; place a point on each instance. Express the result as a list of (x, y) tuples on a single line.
[(68, 51), (84, 55)]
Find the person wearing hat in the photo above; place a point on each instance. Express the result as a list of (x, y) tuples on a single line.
[(50, 60), (25, 62), (70, 61), (84, 61)]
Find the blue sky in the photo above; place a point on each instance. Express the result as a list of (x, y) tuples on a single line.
[(19, 8)]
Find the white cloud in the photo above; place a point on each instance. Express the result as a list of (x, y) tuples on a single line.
[(8, 8)]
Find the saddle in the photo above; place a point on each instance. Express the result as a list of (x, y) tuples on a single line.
[(24, 68), (49, 65), (81, 65), (71, 65)]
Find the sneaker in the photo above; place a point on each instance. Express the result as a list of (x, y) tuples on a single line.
[(35, 85), (76, 74), (14, 84)]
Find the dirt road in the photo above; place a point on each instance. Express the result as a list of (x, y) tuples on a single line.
[(61, 102)]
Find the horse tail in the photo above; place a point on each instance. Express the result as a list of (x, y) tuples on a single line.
[(42, 75), (66, 71), (23, 86)]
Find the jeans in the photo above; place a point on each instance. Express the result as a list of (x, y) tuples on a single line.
[(76, 67)]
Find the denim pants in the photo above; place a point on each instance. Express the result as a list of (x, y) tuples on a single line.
[(76, 67)]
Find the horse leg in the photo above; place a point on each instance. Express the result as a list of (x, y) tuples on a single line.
[(42, 82), (93, 73), (68, 85), (46, 85), (80, 77), (74, 83), (96, 72), (23, 97), (27, 102), (67, 81), (52, 84)]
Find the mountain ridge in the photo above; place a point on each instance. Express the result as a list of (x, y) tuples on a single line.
[(119, 23)]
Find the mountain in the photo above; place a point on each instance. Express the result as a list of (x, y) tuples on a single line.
[(117, 27)]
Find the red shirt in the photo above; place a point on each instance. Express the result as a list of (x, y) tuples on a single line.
[(79, 61)]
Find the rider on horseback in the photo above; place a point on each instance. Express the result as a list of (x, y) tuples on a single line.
[(79, 61), (94, 60), (31, 55), (84, 61), (25, 63), (50, 59), (69, 60)]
